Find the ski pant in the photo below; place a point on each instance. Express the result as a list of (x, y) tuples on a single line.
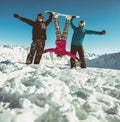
[(64, 35), (80, 50), (36, 52)]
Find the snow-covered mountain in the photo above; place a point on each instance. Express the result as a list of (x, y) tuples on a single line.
[(17, 53), (110, 61), (49, 92)]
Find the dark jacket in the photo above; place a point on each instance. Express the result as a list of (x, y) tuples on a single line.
[(38, 28)]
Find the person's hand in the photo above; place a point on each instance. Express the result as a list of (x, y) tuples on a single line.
[(102, 32), (44, 51), (73, 17), (16, 15)]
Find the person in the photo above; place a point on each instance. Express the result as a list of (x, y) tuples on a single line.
[(77, 42), (39, 28), (61, 38)]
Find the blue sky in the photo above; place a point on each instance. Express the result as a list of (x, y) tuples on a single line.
[(98, 15)]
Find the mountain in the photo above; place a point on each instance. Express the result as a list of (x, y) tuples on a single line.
[(110, 61), (18, 53)]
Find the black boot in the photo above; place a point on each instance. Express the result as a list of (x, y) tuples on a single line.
[(29, 59), (72, 63)]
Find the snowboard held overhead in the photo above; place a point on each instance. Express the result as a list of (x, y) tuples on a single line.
[(61, 38), (61, 14)]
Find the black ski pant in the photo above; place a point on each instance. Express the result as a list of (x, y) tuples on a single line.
[(80, 50), (36, 51)]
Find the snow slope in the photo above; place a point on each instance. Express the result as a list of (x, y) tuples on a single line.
[(45, 93)]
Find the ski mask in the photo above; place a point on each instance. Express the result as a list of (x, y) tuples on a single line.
[(40, 17), (81, 23)]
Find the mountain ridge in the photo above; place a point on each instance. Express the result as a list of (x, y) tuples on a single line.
[(19, 53)]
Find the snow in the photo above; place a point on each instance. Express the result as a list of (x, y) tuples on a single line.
[(52, 92)]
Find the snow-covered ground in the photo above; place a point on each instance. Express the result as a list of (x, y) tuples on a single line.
[(52, 92)]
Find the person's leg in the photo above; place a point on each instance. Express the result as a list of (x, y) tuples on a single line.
[(57, 27), (82, 57), (73, 51), (31, 53), (65, 31), (40, 50)]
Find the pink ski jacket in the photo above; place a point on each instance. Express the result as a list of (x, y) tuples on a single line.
[(61, 48)]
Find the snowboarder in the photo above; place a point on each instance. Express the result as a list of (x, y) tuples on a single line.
[(38, 36), (60, 49), (77, 42)]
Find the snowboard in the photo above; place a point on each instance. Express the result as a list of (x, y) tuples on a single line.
[(61, 14)]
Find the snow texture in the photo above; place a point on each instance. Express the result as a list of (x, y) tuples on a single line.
[(52, 92)]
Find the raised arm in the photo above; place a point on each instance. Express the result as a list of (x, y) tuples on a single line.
[(49, 19), (28, 21), (72, 25)]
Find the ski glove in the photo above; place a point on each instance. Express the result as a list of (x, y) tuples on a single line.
[(102, 32), (73, 16), (16, 15), (50, 13)]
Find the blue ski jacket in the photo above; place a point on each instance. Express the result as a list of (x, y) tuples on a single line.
[(79, 34)]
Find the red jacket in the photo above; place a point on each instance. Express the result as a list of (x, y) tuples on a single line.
[(61, 48)]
